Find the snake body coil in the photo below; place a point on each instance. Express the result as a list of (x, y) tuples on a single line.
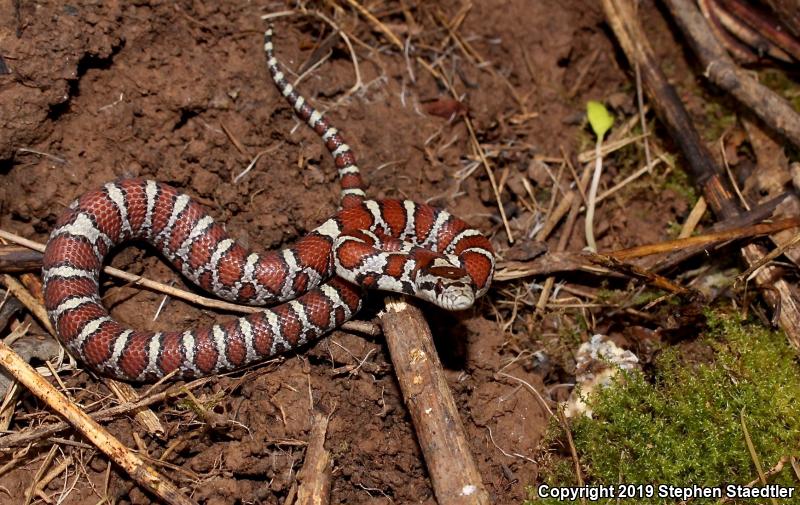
[(394, 245)]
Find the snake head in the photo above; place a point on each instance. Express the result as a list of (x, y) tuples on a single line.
[(446, 286)]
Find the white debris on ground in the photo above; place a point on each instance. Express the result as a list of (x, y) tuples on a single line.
[(598, 362)]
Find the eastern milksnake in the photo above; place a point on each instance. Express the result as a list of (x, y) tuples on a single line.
[(393, 245)]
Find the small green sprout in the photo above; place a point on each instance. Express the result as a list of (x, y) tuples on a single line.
[(601, 121), (599, 118)]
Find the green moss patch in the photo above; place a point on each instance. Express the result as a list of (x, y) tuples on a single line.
[(684, 425)]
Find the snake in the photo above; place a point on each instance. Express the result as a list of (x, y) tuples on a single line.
[(310, 288)]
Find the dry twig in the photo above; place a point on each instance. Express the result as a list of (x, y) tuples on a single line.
[(315, 476), (144, 416), (14, 258), (29, 301), (706, 239)]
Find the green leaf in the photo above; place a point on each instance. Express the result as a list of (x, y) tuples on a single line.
[(599, 117)]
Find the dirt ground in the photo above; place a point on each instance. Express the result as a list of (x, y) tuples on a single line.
[(179, 92)]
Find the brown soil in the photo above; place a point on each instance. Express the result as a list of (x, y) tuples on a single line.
[(117, 89)]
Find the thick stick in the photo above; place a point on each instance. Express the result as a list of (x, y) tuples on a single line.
[(441, 435), (771, 108), (140, 472)]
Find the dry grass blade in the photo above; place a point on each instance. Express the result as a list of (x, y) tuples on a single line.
[(39, 473), (254, 161), (769, 473), (490, 173), (562, 420), (655, 279), (476, 145), (533, 390), (572, 450), (607, 148), (471, 54), (53, 157), (566, 233), (694, 218), (52, 474), (753, 454), (646, 169), (235, 141), (377, 22), (8, 406)]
